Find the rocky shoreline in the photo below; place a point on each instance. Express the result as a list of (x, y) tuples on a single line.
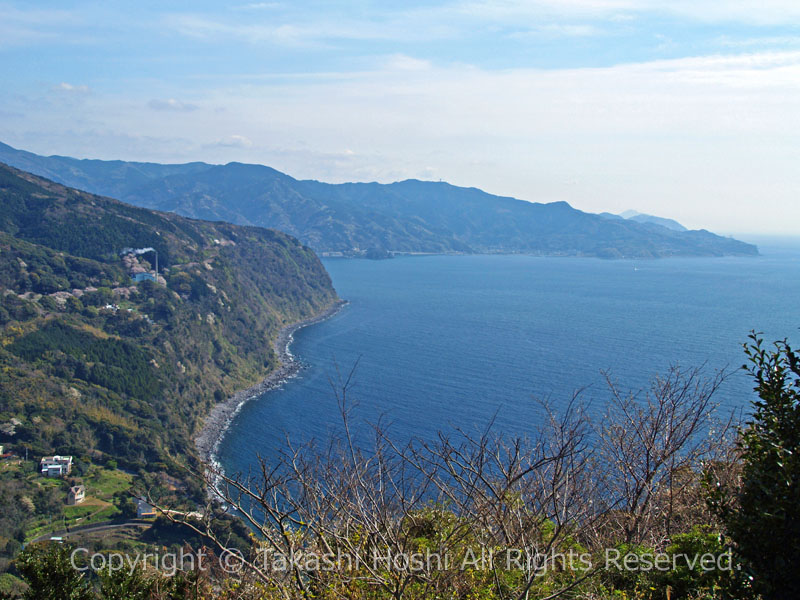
[(219, 419)]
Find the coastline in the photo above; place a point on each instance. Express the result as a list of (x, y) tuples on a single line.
[(216, 423)]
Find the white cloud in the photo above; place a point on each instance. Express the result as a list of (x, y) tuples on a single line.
[(763, 12), (22, 27), (234, 141), (693, 135), (171, 104), (72, 89), (260, 6), (306, 30), (688, 138), (751, 43), (463, 20), (210, 29), (552, 30), (403, 62)]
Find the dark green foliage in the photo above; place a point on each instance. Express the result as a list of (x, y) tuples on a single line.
[(719, 578), (134, 584), (763, 519), (125, 585), (56, 572), (13, 515), (696, 564), (14, 308), (49, 572), (30, 267), (115, 364), (11, 587), (101, 297), (31, 214)]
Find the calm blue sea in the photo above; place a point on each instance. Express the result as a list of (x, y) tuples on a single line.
[(453, 341)]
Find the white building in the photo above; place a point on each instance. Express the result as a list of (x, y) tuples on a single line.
[(56, 466)]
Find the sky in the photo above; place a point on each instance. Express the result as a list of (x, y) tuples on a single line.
[(688, 109)]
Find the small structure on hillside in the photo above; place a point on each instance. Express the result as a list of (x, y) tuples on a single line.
[(77, 494), (144, 277), (56, 466), (144, 510), (137, 271)]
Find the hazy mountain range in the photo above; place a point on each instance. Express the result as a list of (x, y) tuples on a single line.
[(407, 216), (632, 215)]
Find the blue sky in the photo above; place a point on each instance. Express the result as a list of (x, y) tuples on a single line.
[(687, 109)]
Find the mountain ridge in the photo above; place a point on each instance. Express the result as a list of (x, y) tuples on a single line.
[(409, 216), (633, 215)]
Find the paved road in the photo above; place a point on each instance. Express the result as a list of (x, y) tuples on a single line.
[(107, 525)]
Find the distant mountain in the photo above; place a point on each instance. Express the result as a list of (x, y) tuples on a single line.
[(113, 178), (351, 218), (608, 215), (632, 215)]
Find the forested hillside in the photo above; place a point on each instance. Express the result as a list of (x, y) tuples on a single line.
[(77, 331), (115, 371)]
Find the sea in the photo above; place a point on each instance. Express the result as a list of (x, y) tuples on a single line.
[(431, 344)]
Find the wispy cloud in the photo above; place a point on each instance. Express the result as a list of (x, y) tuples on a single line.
[(171, 104), (31, 25), (403, 62), (317, 31), (553, 30), (713, 127), (259, 6), (445, 88), (72, 89), (747, 11), (761, 12), (212, 29), (464, 20), (751, 43), (234, 141)]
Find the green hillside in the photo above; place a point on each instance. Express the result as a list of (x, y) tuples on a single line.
[(160, 354), (113, 371)]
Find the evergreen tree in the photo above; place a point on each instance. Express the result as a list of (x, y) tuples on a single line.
[(763, 519)]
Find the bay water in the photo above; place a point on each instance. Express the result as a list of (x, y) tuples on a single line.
[(442, 342)]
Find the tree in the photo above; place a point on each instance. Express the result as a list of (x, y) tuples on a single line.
[(74, 305), (50, 575), (650, 449), (762, 517)]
